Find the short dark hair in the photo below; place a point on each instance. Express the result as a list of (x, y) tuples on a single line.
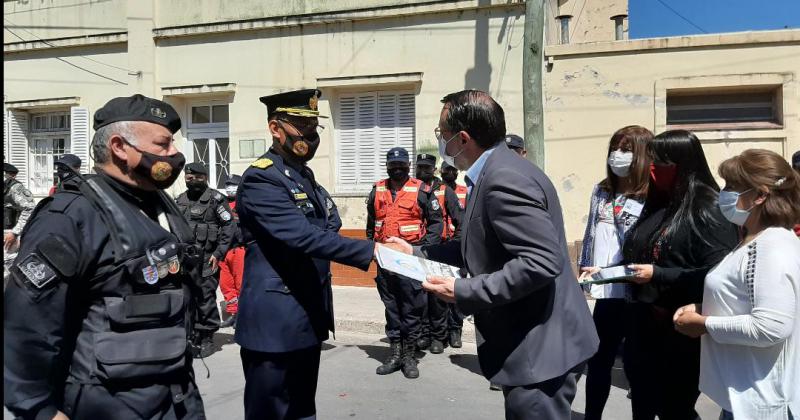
[(476, 113)]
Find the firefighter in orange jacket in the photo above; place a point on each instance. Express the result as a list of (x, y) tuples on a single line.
[(231, 268), (404, 207), (435, 335)]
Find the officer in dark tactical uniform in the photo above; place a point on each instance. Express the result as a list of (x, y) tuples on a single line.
[(404, 207), (67, 167), (210, 217), (98, 310), (289, 224), (434, 335)]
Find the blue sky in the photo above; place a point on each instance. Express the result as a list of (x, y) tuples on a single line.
[(650, 18)]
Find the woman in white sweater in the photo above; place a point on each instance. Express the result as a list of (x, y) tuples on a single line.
[(750, 357)]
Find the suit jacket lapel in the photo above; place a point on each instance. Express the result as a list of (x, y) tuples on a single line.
[(472, 202)]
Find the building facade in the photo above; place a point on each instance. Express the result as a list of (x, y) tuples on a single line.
[(383, 67)]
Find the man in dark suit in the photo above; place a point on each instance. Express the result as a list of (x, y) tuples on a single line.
[(537, 327), (288, 225)]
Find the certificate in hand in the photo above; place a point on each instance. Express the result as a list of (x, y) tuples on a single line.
[(616, 274), (411, 266)]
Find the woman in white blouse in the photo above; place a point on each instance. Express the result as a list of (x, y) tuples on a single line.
[(750, 358)]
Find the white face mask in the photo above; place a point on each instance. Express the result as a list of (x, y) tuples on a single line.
[(231, 190), (450, 160), (620, 163)]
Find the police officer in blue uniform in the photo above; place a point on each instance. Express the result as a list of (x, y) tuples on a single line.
[(98, 310), (285, 306)]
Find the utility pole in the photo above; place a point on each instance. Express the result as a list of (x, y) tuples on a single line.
[(532, 54)]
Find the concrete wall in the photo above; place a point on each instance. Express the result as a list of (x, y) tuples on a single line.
[(478, 49), (62, 18), (594, 89)]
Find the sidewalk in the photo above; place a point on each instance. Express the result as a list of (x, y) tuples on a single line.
[(360, 310)]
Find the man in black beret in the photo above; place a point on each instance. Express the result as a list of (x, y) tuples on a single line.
[(285, 306), (97, 308), (211, 220), (66, 167), (517, 144)]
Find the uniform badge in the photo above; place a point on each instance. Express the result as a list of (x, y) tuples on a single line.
[(163, 270), (173, 265), (161, 171), (223, 214), (262, 163), (150, 274), (157, 112), (312, 102), (36, 271), (435, 204), (300, 148), (286, 171)]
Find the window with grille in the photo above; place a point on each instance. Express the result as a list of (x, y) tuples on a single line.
[(208, 137), (740, 107), (368, 125)]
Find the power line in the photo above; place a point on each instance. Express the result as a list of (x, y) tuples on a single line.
[(70, 63), (11, 24), (577, 20), (682, 17)]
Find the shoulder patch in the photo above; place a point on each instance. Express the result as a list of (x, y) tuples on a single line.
[(262, 163), (38, 272), (435, 204)]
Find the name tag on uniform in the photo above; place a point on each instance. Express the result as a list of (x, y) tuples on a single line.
[(410, 189), (409, 228), (632, 207), (301, 196), (438, 193), (380, 189)]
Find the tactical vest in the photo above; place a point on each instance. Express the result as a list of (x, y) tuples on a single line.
[(136, 328), (202, 218), (10, 214), (461, 192), (401, 217)]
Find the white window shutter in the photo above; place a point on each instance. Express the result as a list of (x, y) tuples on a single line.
[(18, 143), (79, 135), (368, 125), (6, 140)]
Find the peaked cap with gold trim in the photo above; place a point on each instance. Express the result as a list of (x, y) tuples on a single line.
[(298, 103)]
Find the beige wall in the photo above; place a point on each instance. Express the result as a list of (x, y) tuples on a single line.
[(590, 22), (63, 18), (594, 89)]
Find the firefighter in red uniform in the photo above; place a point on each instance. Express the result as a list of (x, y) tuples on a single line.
[(404, 207), (435, 334), (231, 269), (455, 321)]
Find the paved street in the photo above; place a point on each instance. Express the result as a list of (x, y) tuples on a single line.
[(449, 386)]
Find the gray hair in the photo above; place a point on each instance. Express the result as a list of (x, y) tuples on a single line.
[(100, 149)]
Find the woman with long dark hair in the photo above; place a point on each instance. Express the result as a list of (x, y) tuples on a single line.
[(679, 236), (615, 206)]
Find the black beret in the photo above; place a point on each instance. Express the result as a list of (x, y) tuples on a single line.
[(447, 165), (233, 180), (195, 168), (397, 154), (138, 108), (515, 141), (69, 160), (7, 167), (299, 103), (426, 159)]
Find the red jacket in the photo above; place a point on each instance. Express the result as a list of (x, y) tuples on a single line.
[(231, 271), (461, 192)]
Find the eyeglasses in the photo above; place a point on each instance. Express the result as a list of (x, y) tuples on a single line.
[(438, 133), (307, 130)]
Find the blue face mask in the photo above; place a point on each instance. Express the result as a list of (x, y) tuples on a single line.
[(727, 205)]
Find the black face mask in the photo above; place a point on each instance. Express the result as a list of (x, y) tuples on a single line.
[(425, 175), (161, 171), (449, 177), (303, 147), (397, 174), (196, 186)]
